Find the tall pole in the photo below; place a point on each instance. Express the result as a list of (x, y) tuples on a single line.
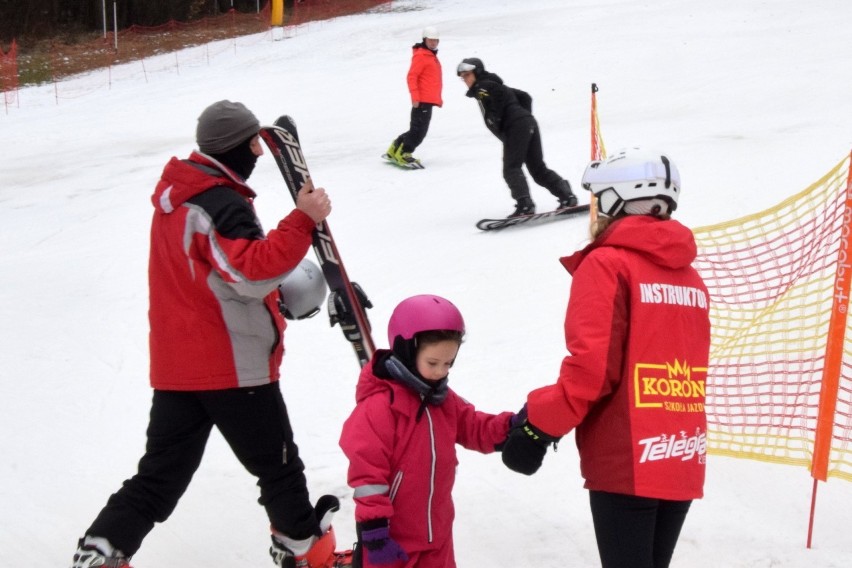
[(103, 3), (115, 24)]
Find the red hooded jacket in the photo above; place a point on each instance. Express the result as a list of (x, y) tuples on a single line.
[(424, 76), (403, 468), (213, 278), (637, 331)]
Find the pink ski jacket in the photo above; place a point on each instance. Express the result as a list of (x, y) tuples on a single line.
[(637, 331), (403, 468), (213, 278)]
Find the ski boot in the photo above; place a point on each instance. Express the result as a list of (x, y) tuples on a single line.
[(391, 153), (404, 158), (311, 552), (524, 206), (97, 552)]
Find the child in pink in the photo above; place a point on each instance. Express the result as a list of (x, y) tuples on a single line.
[(401, 439)]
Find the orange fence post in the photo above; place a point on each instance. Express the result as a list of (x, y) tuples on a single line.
[(833, 353), (598, 151)]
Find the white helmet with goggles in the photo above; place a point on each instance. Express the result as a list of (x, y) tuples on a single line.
[(470, 65), (634, 182)]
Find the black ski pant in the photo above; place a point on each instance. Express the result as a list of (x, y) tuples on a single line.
[(636, 532), (421, 116), (255, 424), (522, 145)]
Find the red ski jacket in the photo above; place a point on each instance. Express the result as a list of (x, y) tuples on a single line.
[(213, 278), (637, 331), (403, 468), (424, 76)]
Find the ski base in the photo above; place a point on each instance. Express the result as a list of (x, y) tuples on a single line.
[(415, 165), (533, 219)]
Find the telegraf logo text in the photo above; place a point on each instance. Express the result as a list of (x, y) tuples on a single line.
[(675, 387), (683, 447)]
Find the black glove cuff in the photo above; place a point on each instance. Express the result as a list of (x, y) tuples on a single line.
[(542, 438)]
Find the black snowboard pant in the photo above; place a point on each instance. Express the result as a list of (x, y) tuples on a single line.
[(417, 129), (255, 424), (522, 145), (636, 532)]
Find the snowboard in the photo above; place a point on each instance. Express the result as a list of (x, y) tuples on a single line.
[(347, 302), (416, 165), (532, 219)]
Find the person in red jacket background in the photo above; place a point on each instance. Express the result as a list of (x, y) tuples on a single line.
[(401, 439), (637, 330), (216, 344), (425, 85)]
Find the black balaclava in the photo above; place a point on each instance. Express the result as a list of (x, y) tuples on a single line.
[(240, 158)]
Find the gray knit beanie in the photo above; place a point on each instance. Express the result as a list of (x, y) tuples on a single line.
[(224, 125)]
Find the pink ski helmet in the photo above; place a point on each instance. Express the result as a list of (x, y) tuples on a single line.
[(423, 313)]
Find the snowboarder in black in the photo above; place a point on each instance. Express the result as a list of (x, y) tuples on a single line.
[(508, 115)]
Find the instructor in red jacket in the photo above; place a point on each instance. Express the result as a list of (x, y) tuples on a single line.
[(637, 332), (216, 342)]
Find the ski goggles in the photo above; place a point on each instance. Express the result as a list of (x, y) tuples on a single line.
[(465, 68)]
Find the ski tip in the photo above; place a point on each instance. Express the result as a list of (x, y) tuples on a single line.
[(285, 120)]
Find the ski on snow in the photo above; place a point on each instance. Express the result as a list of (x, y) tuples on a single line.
[(533, 219), (347, 302)]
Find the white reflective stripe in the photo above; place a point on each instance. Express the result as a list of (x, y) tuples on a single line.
[(369, 490), (397, 481), (165, 202), (432, 473)]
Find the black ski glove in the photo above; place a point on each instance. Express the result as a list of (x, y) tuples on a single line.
[(525, 448)]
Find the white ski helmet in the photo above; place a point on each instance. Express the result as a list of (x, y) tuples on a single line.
[(430, 32), (634, 181), (302, 291)]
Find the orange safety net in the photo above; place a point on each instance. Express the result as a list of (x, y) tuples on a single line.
[(772, 278)]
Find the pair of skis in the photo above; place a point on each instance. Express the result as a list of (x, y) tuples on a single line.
[(347, 302)]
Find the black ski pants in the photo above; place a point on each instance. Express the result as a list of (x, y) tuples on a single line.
[(421, 117), (255, 424), (522, 145), (636, 532)]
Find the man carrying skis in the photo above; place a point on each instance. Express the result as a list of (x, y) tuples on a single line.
[(216, 345)]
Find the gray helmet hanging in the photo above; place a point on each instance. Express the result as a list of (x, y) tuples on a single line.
[(302, 291)]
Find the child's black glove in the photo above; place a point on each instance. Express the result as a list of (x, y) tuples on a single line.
[(525, 448)]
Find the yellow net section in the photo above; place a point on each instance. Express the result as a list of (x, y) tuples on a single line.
[(771, 278)]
